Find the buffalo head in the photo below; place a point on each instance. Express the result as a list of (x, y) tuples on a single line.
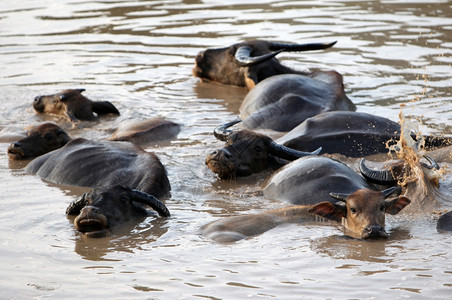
[(399, 171), (73, 105), (247, 63), (362, 212), (247, 152), (102, 209), (40, 140)]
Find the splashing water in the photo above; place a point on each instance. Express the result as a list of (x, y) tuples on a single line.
[(418, 180)]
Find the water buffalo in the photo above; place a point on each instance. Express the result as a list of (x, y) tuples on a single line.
[(48, 137), (248, 63), (40, 140), (362, 213), (94, 164), (352, 134), (73, 105), (247, 152), (282, 102), (105, 208), (348, 133)]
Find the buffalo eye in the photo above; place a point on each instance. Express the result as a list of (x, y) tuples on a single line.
[(48, 137), (258, 149), (62, 97), (353, 210)]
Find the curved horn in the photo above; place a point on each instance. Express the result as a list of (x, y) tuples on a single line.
[(433, 163), (339, 196), (81, 90), (289, 153), (384, 177), (300, 47), (221, 132), (389, 191), (76, 206), (151, 201), (244, 59)]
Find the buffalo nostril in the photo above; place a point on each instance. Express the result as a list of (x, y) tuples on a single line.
[(373, 230)]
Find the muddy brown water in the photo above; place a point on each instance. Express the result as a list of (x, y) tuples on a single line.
[(139, 55)]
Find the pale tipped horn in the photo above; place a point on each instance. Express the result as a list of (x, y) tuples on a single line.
[(244, 59), (339, 196), (222, 132)]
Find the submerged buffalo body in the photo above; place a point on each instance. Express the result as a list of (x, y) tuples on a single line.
[(40, 140), (93, 164), (105, 208), (352, 134), (248, 63), (362, 213), (310, 180), (73, 105), (144, 132), (282, 102)]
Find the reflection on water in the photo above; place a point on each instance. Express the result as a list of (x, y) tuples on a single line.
[(127, 238), (139, 56), (343, 247)]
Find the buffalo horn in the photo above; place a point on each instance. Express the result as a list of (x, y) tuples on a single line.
[(289, 153), (383, 177), (76, 206), (433, 163), (244, 59), (343, 197), (222, 132), (339, 196), (389, 191), (300, 47), (151, 201)]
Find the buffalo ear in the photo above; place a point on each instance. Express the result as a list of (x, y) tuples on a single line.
[(334, 212), (76, 206), (393, 206), (104, 108)]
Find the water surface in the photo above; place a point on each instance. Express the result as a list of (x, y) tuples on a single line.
[(139, 56)]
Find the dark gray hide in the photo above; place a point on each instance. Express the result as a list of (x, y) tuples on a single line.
[(284, 101), (100, 163), (445, 222), (348, 133), (352, 134), (310, 180)]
